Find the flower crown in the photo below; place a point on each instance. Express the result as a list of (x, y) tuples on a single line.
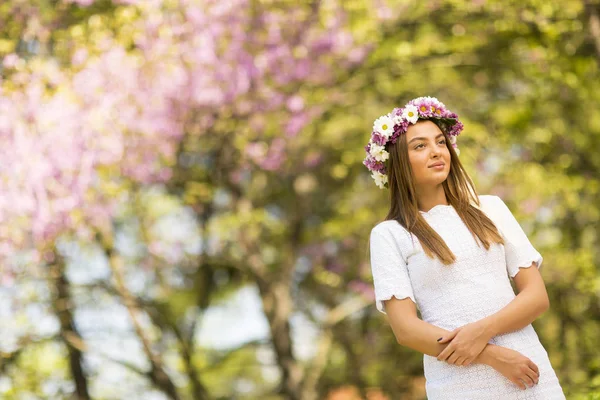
[(389, 127)]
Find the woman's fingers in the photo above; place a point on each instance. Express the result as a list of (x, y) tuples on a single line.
[(464, 361), (534, 367), (452, 358), (448, 337), (443, 356), (519, 383), (533, 375), (527, 380), (529, 377)]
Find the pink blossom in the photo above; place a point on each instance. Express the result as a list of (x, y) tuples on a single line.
[(121, 115)]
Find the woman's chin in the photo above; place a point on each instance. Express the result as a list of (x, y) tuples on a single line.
[(436, 180)]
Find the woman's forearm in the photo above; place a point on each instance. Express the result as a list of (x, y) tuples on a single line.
[(522, 311), (422, 336)]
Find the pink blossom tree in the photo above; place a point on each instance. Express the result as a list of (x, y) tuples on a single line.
[(126, 97)]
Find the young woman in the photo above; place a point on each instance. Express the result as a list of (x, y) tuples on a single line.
[(449, 252)]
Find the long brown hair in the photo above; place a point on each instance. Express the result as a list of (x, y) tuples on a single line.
[(460, 193)]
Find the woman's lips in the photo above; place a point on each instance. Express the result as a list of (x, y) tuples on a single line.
[(439, 166)]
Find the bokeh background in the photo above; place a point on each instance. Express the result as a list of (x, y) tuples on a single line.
[(184, 212)]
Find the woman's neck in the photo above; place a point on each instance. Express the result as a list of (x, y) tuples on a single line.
[(427, 199)]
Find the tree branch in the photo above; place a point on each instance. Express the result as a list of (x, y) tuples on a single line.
[(157, 373), (314, 370)]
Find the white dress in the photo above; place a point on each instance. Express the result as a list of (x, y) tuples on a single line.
[(475, 286)]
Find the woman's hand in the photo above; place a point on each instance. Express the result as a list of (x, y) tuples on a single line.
[(519, 369), (466, 343)]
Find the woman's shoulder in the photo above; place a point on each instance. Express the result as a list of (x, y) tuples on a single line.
[(488, 199), (390, 234), (391, 229), (494, 207), (388, 226), (489, 203)]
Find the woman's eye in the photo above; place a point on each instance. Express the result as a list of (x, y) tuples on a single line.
[(443, 141)]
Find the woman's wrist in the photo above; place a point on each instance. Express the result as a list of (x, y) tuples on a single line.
[(488, 326), (487, 355)]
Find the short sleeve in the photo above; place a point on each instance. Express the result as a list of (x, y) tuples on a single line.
[(519, 251), (389, 269)]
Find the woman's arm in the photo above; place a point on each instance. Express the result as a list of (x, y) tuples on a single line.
[(422, 336), (412, 332), (531, 302), (532, 299)]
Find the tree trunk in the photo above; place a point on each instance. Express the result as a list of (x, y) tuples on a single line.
[(68, 331), (277, 305), (594, 25)]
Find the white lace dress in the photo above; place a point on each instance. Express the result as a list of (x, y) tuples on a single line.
[(475, 286)]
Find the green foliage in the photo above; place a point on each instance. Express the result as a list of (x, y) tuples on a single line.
[(41, 370), (524, 78)]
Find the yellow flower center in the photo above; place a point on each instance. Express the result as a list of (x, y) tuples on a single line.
[(423, 108), (384, 126), (410, 113)]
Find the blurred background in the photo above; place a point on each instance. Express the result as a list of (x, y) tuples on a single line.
[(184, 212)]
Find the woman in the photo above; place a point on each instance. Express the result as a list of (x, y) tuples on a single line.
[(450, 252)]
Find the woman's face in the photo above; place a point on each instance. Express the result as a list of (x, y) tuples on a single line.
[(426, 148)]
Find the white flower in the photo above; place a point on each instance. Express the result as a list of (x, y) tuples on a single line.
[(380, 179), (410, 114), (378, 152), (384, 126), (452, 139), (397, 119)]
